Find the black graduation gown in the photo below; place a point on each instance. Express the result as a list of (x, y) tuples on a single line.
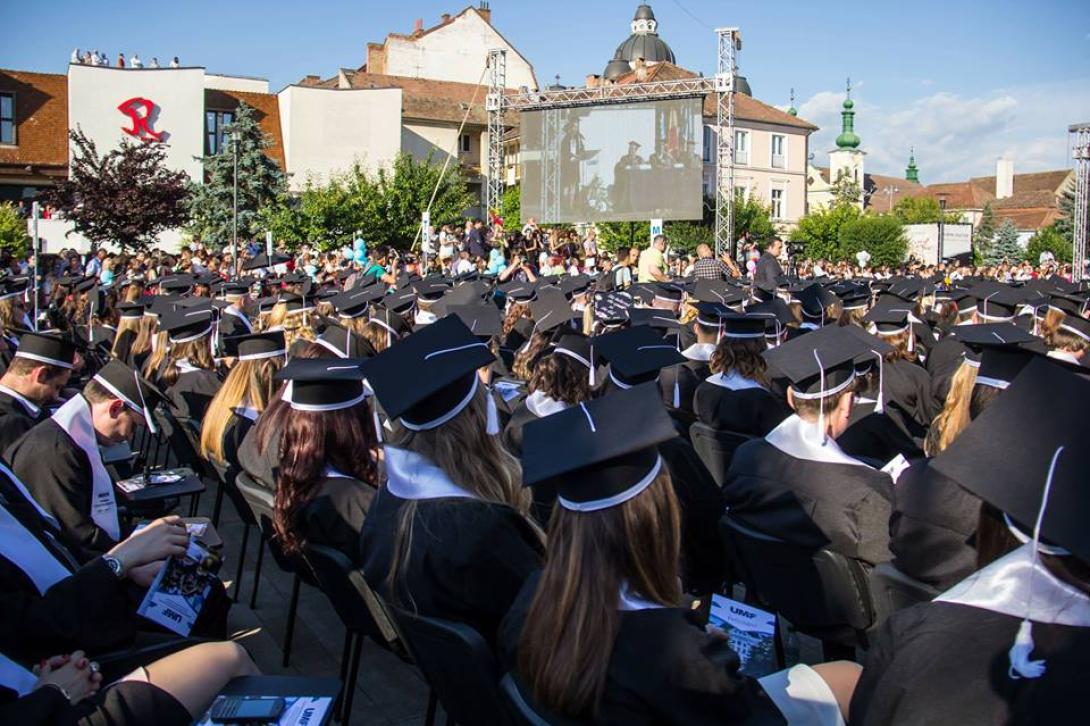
[(751, 411), (687, 377), (467, 559), (947, 663), (16, 420), (233, 435), (512, 432), (58, 475), (933, 527), (943, 362), (841, 507), (701, 501), (122, 704), (261, 466), (123, 347), (663, 669), (909, 399), (875, 437), (335, 516), (191, 394)]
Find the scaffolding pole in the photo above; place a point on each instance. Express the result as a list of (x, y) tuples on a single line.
[(1081, 154), (495, 105), (730, 42)]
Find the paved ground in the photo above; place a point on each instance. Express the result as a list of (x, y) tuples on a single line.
[(388, 692)]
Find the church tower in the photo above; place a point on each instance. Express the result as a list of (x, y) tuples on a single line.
[(912, 174), (846, 160)]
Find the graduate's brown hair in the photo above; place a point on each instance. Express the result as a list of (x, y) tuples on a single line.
[(569, 633), (561, 378), (742, 355)]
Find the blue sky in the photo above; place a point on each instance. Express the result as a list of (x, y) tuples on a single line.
[(962, 81)]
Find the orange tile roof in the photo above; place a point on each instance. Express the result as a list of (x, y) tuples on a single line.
[(41, 119), (266, 111)]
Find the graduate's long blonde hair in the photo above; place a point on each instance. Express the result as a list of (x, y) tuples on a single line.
[(249, 382), (956, 411)]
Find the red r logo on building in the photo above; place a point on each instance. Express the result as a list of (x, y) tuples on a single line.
[(139, 111)]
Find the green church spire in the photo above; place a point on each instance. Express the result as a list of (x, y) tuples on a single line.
[(791, 108), (848, 139), (912, 173)]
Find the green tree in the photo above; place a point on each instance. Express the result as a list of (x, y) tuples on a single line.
[(1065, 225), (880, 235), (984, 235), (752, 220), (615, 235), (1051, 239), (846, 190), (922, 210), (511, 208), (687, 236), (395, 198), (260, 184), (13, 236), (819, 231), (126, 195), (1006, 245)]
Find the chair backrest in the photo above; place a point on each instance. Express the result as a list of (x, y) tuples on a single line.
[(260, 502), (227, 476), (520, 709), (459, 666), (716, 448), (816, 590), (353, 599), (181, 440), (893, 590)]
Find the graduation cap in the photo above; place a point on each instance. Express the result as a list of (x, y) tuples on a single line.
[(814, 299), (777, 315), (550, 312), (996, 302), (717, 291), (184, 326), (266, 304), (1076, 325), (745, 326), (400, 301), (256, 346), (354, 303), (294, 302), (819, 364), (573, 285), (344, 343), (575, 346), (888, 319), (763, 293), (642, 292), (667, 292), (610, 456), (131, 388), (52, 350), (710, 314), (977, 337), (657, 318), (482, 319), (520, 292), (430, 377), (179, 284), (130, 310), (635, 355), (611, 309), (467, 293), (430, 289), (235, 288), (323, 384), (262, 260)]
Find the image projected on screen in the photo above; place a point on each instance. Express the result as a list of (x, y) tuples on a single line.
[(626, 162)]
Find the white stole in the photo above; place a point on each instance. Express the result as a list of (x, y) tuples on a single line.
[(733, 381), (411, 476), (20, 547), (29, 406), (803, 440), (231, 310), (631, 601), (75, 418), (699, 351), (542, 405), (18, 484), (1005, 587)]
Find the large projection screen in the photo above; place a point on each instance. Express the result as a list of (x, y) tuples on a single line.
[(621, 163)]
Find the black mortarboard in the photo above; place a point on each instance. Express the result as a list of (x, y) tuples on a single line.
[(429, 377), (717, 291), (636, 354), (995, 301), (709, 314), (131, 388), (977, 336), (482, 319), (431, 288), (657, 318), (235, 287), (550, 311), (185, 325), (611, 308), (354, 303), (521, 292), (256, 346), (818, 364), (609, 455), (668, 292), (294, 302), (52, 350), (323, 384), (1042, 412), (576, 347), (262, 260), (130, 310), (344, 343), (178, 284), (889, 318), (400, 301), (747, 326), (574, 285), (1076, 325), (778, 311), (814, 299), (1000, 364)]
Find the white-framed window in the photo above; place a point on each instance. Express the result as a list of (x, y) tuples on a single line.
[(779, 202), (779, 152), (741, 147), (7, 118), (215, 130), (709, 145), (463, 144)]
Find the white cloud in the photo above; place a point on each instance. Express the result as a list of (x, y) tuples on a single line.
[(957, 137)]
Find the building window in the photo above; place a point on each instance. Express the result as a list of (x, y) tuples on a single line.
[(709, 145), (779, 151), (741, 147), (7, 118), (215, 130), (778, 197), (463, 144)]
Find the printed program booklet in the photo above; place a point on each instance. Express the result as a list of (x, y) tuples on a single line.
[(179, 591), (751, 633)]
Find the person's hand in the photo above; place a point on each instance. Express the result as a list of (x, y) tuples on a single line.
[(76, 676), (144, 575), (161, 539)]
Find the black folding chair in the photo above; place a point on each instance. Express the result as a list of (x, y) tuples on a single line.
[(893, 590), (716, 448), (260, 501), (183, 444), (360, 610), (522, 711), (820, 592), (458, 665), (228, 477)]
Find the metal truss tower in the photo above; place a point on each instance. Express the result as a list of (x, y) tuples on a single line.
[(495, 105), (1081, 154), (730, 42)]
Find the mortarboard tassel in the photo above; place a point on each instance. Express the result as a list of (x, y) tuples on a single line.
[(677, 395), (378, 424), (493, 427), (879, 404), (148, 415), (821, 401), (1021, 666), (592, 366)]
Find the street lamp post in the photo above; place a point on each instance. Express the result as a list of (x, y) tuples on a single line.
[(234, 212), (942, 225), (889, 192)]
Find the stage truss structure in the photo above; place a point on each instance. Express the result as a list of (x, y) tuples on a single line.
[(495, 107), (722, 85), (1081, 154)]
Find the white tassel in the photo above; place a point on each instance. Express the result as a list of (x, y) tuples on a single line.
[(493, 427), (592, 366), (378, 425), (821, 401), (677, 395), (880, 402), (911, 339), (1021, 666)]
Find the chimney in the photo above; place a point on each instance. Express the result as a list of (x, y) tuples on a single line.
[(485, 11), (311, 80), (594, 81), (418, 26), (445, 18), (641, 70), (1004, 178)]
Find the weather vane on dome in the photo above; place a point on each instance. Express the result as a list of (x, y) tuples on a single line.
[(849, 86)]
